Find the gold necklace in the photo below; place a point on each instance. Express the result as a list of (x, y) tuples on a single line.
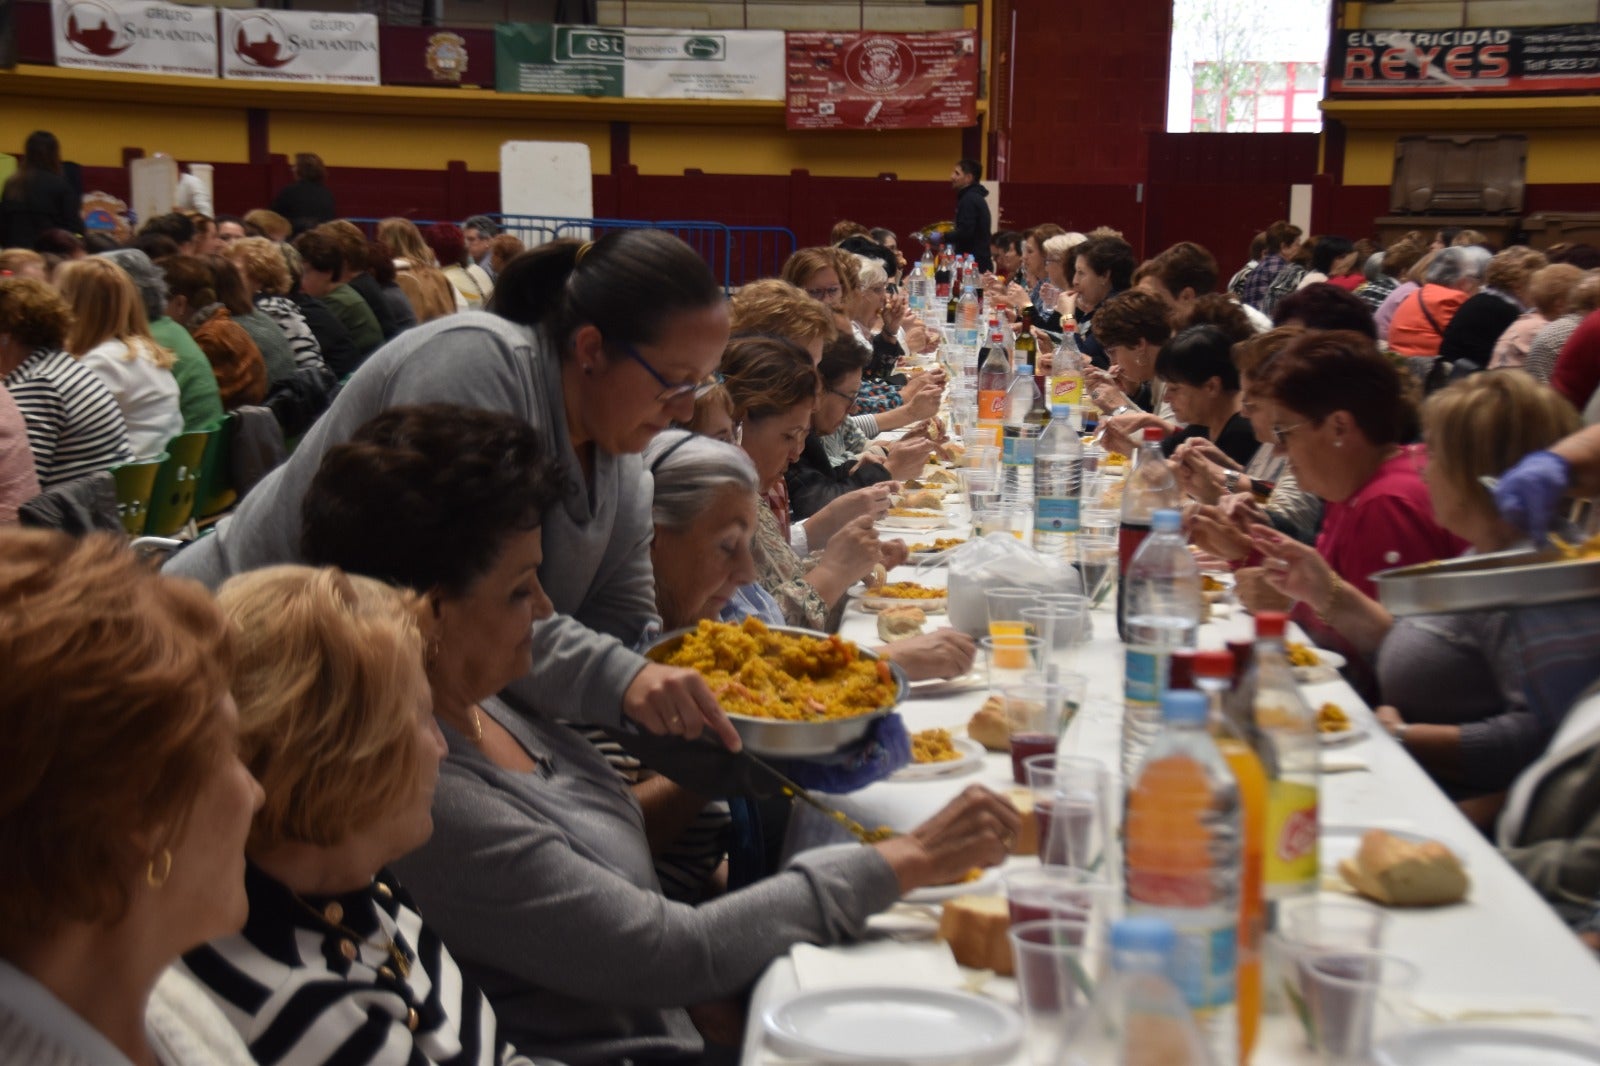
[(397, 954)]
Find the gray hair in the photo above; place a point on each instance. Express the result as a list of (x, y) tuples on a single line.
[(1455, 264), (485, 225), (689, 470), (147, 278), (1373, 269), (1062, 243), (872, 272)]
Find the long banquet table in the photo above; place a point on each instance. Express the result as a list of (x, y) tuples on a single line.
[(1503, 951)]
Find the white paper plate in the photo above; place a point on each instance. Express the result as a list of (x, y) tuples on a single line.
[(1357, 731), (970, 757), (906, 522), (949, 686), (869, 602), (985, 885), (1326, 670), (1483, 1045), (899, 1025)]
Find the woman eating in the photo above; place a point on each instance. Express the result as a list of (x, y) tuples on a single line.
[(1203, 388), (598, 347), (1104, 268), (1475, 695), (1265, 485), (111, 336), (334, 964), (539, 873), (774, 391), (123, 809)]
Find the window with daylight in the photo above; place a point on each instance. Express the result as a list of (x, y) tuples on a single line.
[(1247, 66), (1256, 98)]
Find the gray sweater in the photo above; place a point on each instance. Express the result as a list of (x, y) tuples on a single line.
[(596, 544), (543, 886)]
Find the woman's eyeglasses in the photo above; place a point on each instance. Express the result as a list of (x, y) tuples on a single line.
[(832, 292), (850, 396), (670, 391), (1281, 433)]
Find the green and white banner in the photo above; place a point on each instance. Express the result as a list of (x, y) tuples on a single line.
[(638, 63)]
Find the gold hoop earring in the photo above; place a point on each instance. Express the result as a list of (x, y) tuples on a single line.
[(164, 860)]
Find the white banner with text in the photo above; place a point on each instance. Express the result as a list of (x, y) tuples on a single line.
[(300, 46)]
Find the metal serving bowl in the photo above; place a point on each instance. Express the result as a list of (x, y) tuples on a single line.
[(1520, 578), (785, 739)]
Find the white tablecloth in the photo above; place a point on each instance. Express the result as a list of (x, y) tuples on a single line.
[(1503, 946)]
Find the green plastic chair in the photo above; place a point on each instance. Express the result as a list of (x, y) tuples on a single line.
[(172, 501), (135, 484), (215, 492)]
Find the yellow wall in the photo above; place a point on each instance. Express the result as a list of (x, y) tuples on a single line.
[(1558, 156), (93, 133), (771, 149), (423, 142)]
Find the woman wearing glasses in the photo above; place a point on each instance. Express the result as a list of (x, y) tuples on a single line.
[(1341, 414), (598, 346)]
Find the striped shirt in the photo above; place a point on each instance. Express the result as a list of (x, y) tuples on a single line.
[(302, 992), (74, 425), (302, 342)]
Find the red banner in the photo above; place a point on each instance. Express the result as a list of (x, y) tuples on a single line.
[(882, 81)]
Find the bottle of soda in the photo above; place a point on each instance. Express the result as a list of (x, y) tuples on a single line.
[(1066, 368), (941, 280), (952, 307), (1026, 418), (1057, 483), (1165, 605), (1214, 676), (994, 378), (1289, 747), (1150, 486), (1182, 861)]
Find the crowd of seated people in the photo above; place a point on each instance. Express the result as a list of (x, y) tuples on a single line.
[(351, 797)]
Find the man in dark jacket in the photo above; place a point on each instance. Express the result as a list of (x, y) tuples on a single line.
[(971, 235)]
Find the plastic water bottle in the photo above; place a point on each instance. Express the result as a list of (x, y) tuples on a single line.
[(1026, 418), (1057, 483), (1138, 1018), (1182, 848), (1165, 606), (1150, 487), (1288, 746), (1213, 675), (967, 317)]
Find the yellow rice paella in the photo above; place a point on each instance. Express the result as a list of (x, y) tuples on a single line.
[(760, 673)]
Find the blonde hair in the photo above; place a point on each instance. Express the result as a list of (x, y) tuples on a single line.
[(274, 225), (326, 665), (1550, 289), (106, 305), (263, 263), (1511, 269), (16, 260), (773, 307), (405, 240), (1481, 426)]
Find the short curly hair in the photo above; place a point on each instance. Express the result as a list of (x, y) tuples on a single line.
[(464, 479), (328, 668), (775, 308), (114, 682), (1340, 370), (1130, 317), (1216, 309), (767, 376), (33, 313), (1324, 306)]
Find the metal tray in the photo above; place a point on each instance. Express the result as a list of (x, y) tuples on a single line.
[(1522, 578), (783, 739)]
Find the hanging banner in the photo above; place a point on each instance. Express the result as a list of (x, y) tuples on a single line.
[(866, 81), (682, 65), (1494, 59), (145, 38), (533, 57), (300, 46)]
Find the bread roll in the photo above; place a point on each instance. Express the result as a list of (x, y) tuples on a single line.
[(1027, 842), (895, 623), (1403, 873), (923, 500), (988, 726), (975, 927)]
